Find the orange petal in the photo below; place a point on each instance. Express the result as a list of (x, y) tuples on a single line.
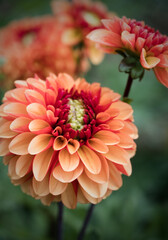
[(37, 84), (94, 189), (112, 24), (12, 168), (19, 145), (105, 37), (124, 108), (125, 169), (34, 96), (102, 117), (117, 155), (148, 62), (108, 137), (65, 81), (16, 95), (139, 44), (69, 197), (36, 110), (59, 143), (41, 188), (130, 129), (125, 141), (23, 164), (41, 164), (90, 159), (116, 124), (73, 145), (16, 109), (68, 162), (115, 179), (91, 199), (5, 131), (56, 187), (162, 75), (40, 143), (47, 200), (80, 197), (163, 61), (67, 177), (20, 84), (103, 175), (20, 124), (97, 145), (40, 126), (128, 39), (4, 146)]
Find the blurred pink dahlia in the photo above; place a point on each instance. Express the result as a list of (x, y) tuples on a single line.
[(34, 45), (66, 140), (137, 40), (81, 17)]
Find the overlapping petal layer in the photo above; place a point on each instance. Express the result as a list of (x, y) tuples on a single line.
[(64, 141)]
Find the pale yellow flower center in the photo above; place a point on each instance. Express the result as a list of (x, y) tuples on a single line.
[(76, 114), (92, 19)]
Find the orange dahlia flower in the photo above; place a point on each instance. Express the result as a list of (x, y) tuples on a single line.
[(81, 17), (135, 39), (66, 140), (34, 45)]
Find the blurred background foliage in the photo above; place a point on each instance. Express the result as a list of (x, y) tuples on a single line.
[(139, 210)]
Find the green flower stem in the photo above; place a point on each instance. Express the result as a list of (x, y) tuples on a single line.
[(60, 221), (86, 221), (128, 87)]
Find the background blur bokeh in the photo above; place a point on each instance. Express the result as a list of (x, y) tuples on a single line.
[(137, 211)]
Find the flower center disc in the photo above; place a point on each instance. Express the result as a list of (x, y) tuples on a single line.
[(76, 114)]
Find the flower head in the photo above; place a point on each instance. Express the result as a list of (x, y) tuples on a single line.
[(135, 39), (66, 140)]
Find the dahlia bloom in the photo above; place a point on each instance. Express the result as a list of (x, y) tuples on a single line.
[(81, 17), (66, 140), (34, 45), (135, 39)]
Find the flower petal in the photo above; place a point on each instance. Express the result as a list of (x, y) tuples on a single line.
[(40, 143), (39, 126), (163, 61), (128, 39), (56, 187), (68, 162), (41, 164), (124, 109), (90, 159), (97, 145), (59, 143), (20, 124), (23, 164), (112, 24), (117, 155), (125, 141), (115, 179), (41, 188), (19, 145), (116, 124), (125, 169), (108, 137), (4, 146), (73, 145), (36, 110), (162, 75), (34, 96), (130, 129), (15, 109), (148, 62), (68, 197), (5, 131)]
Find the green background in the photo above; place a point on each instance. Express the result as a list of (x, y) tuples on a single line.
[(139, 210)]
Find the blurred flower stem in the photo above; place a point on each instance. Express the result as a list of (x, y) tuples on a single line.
[(128, 87), (86, 221), (60, 221)]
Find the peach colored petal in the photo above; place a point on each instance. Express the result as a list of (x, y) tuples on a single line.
[(80, 197), (41, 188), (112, 24), (15, 109), (42, 163), (19, 145), (115, 179), (117, 155), (125, 140), (139, 44), (73, 145), (105, 37), (90, 159), (39, 126), (47, 200), (40, 143), (20, 124), (124, 108), (68, 197), (23, 164), (20, 84), (68, 162), (163, 60), (5, 131), (148, 62), (7, 158), (12, 168), (56, 187), (66, 177), (91, 199), (125, 169), (36, 110), (94, 189), (97, 145), (102, 117), (36, 84), (59, 143), (33, 96), (26, 186), (4, 146), (103, 175), (108, 137), (16, 95), (128, 39), (65, 81), (130, 129), (50, 97), (162, 75), (115, 124), (2, 113)]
